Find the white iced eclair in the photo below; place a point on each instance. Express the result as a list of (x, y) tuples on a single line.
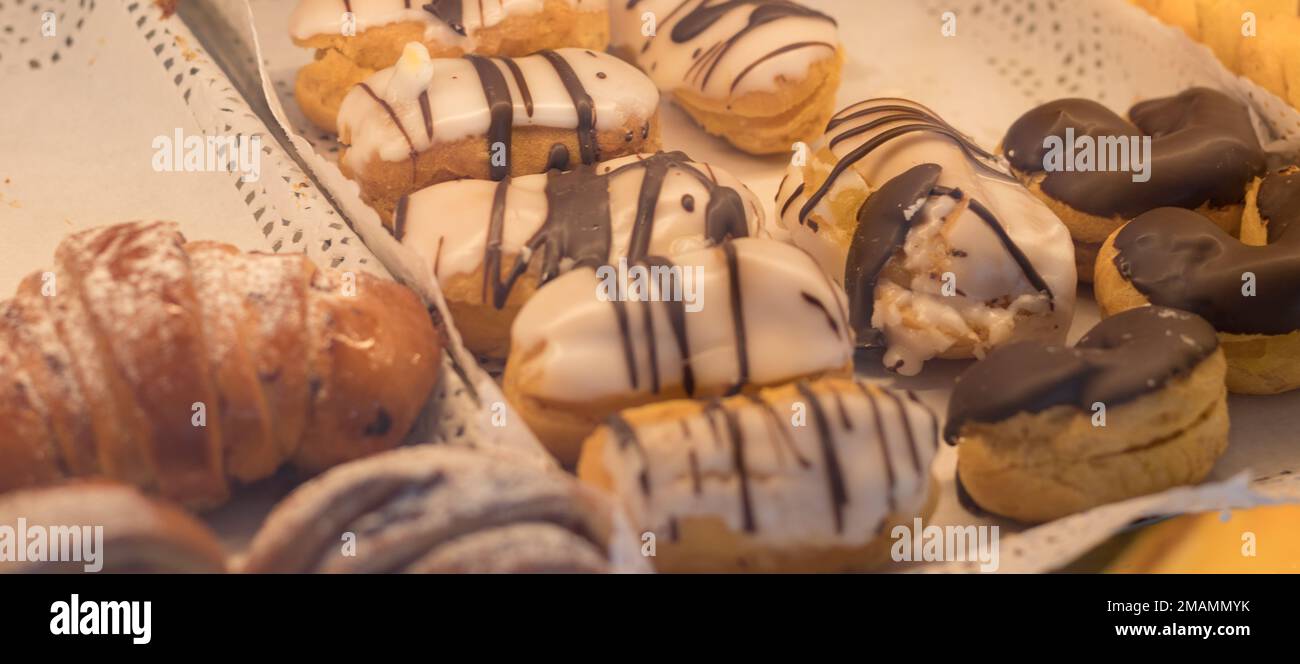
[(808, 477), (355, 38), (506, 239), (762, 74), (713, 322), (425, 121)]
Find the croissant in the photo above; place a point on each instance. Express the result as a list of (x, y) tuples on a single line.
[(179, 367)]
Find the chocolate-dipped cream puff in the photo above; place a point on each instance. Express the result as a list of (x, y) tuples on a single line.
[(1137, 406), (1248, 289), (1092, 166), (941, 252)]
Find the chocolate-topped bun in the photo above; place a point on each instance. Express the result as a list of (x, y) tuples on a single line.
[(355, 38), (1137, 406), (761, 74), (1203, 154), (1248, 289), (941, 252), (715, 321), (425, 121), (509, 238), (743, 485), (102, 526), (437, 509)]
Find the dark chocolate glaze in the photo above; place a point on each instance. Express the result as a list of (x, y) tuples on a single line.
[(577, 234), (1204, 150), (450, 12), (521, 83), (501, 108), (704, 16), (1279, 202), (882, 228), (1128, 355), (1178, 258)]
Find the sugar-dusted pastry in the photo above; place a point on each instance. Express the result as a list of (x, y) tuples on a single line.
[(355, 38), (425, 121), (745, 314), (941, 252), (1137, 406), (437, 509), (1249, 289), (508, 238), (185, 367), (762, 74), (1203, 154), (807, 477), (139, 534)]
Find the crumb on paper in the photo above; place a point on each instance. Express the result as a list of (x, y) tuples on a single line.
[(186, 52), (168, 7)]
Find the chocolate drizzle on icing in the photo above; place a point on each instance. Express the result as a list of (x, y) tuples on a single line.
[(588, 145), (1203, 151), (704, 16), (737, 317), (729, 419), (1125, 356), (839, 493), (450, 12), (887, 216), (388, 108), (501, 107), (737, 438), (577, 234), (1178, 258)]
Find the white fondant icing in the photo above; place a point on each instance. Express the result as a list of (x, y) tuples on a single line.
[(447, 223), (672, 65), (790, 501), (318, 17), (459, 107), (575, 350)]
